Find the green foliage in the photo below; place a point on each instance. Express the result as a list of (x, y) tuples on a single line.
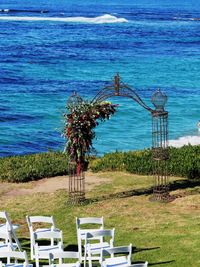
[(33, 167), (184, 162)]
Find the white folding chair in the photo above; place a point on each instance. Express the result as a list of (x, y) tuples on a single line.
[(43, 251), (61, 258), (8, 226), (83, 225), (92, 248), (14, 255), (38, 220), (118, 256)]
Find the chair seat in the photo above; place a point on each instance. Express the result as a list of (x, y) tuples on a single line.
[(16, 265), (83, 232), (118, 264), (95, 248), (116, 261), (3, 227), (44, 230), (66, 265), (45, 250), (145, 264), (7, 247)]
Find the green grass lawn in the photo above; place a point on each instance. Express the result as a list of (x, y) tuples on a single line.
[(164, 234)]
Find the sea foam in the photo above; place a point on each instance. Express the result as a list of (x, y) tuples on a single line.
[(96, 20), (186, 140)]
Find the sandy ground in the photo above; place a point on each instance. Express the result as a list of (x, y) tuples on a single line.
[(48, 185)]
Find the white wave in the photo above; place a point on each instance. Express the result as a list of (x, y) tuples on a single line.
[(186, 140), (97, 20), (186, 19)]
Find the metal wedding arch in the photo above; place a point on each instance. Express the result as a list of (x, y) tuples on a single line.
[(160, 153)]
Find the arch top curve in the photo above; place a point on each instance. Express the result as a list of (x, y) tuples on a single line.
[(118, 88)]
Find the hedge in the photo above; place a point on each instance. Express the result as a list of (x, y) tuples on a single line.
[(33, 167), (184, 162)]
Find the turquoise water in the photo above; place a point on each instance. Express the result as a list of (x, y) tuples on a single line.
[(80, 46)]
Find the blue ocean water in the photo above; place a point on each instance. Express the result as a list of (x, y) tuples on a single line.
[(81, 45)]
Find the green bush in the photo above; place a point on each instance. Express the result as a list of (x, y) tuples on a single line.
[(33, 167), (184, 162)]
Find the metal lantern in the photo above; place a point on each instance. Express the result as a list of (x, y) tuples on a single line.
[(159, 100)]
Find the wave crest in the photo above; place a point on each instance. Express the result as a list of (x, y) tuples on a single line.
[(97, 20), (185, 140), (186, 19)]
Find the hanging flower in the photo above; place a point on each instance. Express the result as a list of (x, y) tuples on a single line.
[(79, 127)]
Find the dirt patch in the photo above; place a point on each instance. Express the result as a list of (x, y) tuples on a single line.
[(50, 185)]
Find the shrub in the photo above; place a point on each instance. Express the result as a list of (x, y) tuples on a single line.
[(184, 162), (33, 167)]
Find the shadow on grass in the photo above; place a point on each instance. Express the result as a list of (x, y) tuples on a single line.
[(161, 263), (173, 186), (25, 243), (71, 247), (184, 184), (136, 250)]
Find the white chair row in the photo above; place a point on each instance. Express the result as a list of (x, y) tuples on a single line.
[(91, 235), (112, 261), (98, 241), (15, 256)]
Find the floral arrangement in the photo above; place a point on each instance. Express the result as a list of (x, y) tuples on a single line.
[(79, 128)]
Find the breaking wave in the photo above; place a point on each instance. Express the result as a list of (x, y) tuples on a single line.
[(186, 140), (186, 19), (97, 20), (22, 11)]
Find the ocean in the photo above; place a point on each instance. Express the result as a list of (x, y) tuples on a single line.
[(49, 49)]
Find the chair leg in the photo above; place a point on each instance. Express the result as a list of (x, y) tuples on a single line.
[(85, 259), (90, 262), (37, 262), (8, 260)]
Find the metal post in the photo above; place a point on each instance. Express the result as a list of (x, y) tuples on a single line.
[(160, 155), (160, 151), (76, 184)]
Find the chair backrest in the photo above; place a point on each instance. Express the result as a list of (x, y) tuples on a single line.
[(62, 255), (100, 235), (81, 223), (48, 235), (123, 257), (40, 219), (16, 255)]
